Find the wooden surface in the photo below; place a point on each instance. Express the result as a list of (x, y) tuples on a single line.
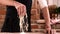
[(28, 33), (22, 33)]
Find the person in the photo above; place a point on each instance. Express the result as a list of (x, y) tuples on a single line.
[(45, 11), (44, 4), (44, 7), (15, 8)]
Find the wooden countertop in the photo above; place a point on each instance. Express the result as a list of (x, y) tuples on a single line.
[(23, 33)]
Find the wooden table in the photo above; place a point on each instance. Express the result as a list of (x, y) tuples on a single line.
[(29, 33), (24, 33)]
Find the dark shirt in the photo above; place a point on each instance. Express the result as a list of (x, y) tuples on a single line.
[(11, 23)]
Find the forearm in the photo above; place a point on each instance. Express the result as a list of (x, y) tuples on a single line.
[(46, 15), (8, 2)]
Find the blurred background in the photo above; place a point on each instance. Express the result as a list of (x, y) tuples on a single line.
[(36, 14)]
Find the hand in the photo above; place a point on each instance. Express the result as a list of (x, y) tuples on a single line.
[(48, 27), (21, 9), (54, 21)]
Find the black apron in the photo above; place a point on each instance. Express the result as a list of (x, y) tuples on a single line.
[(11, 23)]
